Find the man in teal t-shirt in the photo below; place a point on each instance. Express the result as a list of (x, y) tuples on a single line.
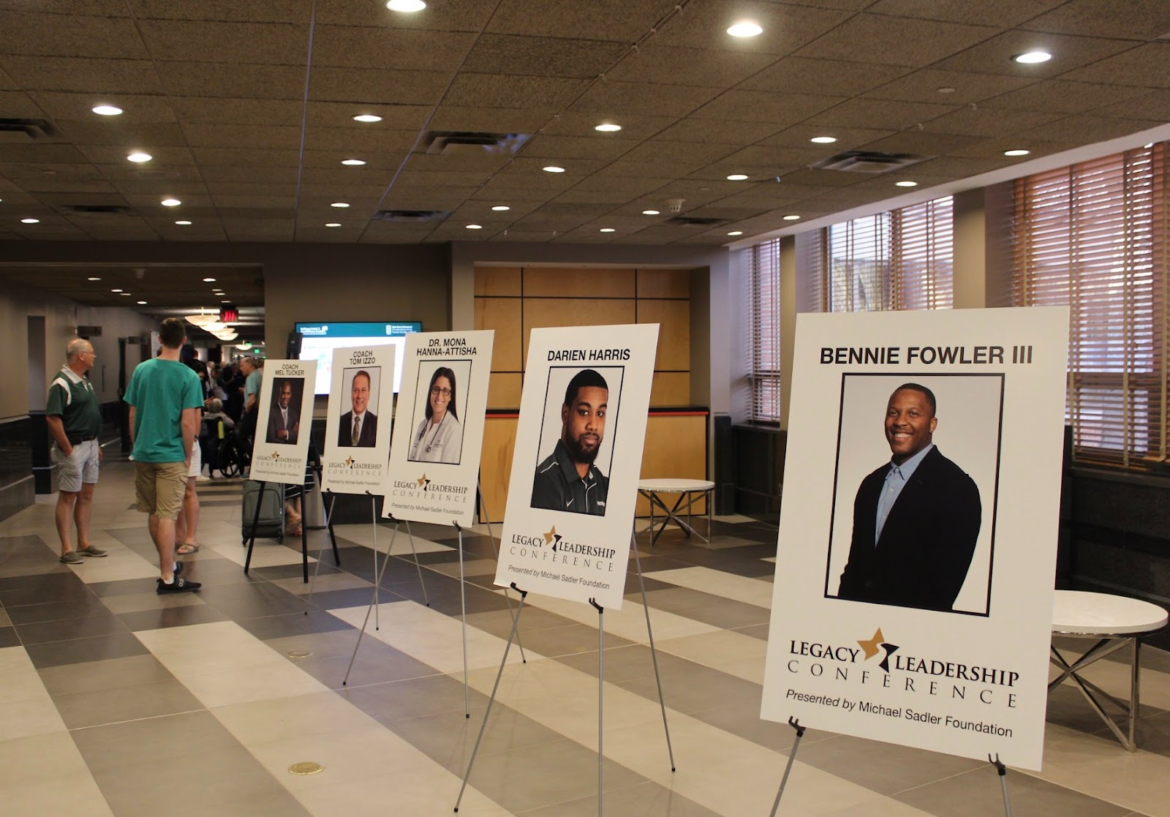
[(165, 397)]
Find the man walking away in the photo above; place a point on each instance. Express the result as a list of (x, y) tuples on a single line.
[(75, 420), (165, 398)]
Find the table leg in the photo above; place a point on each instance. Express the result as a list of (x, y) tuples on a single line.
[(1134, 692)]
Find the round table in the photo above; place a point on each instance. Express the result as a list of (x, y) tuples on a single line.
[(1116, 622), (689, 491)]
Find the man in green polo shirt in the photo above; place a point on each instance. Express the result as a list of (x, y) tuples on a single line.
[(165, 398), (75, 420)]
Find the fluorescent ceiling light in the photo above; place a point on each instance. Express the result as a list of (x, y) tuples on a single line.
[(139, 158), (209, 280), (649, 212), (126, 295), (1032, 57), (30, 221), (745, 28), (406, 6), (736, 232), (906, 184), (1016, 152), (823, 140), (946, 89), (737, 177), (340, 204), (608, 127), (353, 162), (501, 208), (107, 110), (115, 290), (171, 202), (225, 302), (474, 227), (553, 169), (183, 223), (333, 224), (94, 278), (367, 117), (606, 230), (142, 303), (793, 217)]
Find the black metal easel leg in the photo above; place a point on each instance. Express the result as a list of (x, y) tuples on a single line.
[(600, 703), (795, 724), (1002, 769), (255, 524)]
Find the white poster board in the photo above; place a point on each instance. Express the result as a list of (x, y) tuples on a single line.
[(434, 461), (576, 464), (361, 409), (929, 628), (282, 428)]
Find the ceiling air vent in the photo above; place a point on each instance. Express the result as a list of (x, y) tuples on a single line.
[(411, 216), (474, 143), (869, 161), (99, 209), (696, 221), (30, 128)]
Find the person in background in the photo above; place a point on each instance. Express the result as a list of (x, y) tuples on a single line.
[(209, 433), (75, 420), (165, 399)]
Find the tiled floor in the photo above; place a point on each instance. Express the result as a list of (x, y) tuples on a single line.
[(115, 701)]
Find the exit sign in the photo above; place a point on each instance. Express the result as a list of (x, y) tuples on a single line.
[(229, 314)]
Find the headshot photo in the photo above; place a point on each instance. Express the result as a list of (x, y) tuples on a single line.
[(358, 427), (916, 531), (576, 445), (284, 420), (438, 434)]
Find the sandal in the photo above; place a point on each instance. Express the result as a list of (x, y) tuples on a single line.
[(187, 548)]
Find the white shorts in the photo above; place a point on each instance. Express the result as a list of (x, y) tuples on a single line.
[(196, 462), (80, 467)]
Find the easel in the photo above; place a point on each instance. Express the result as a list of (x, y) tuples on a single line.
[(600, 682), (795, 724), (315, 466)]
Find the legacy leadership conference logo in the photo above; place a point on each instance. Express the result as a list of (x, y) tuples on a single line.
[(548, 551), (423, 487)]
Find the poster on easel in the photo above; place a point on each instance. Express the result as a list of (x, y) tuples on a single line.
[(281, 449), (918, 529), (577, 460), (357, 428), (434, 459)]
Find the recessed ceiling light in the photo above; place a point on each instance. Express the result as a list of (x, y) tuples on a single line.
[(745, 28), (353, 162), (1032, 57), (30, 221), (93, 278), (649, 212), (333, 224), (608, 127), (115, 290), (501, 208), (367, 117), (606, 230), (737, 177), (225, 302), (209, 280), (139, 158), (126, 295), (171, 202), (183, 223), (474, 227), (340, 204), (793, 217), (823, 140), (946, 89), (553, 169), (736, 232), (107, 110), (142, 303), (1016, 152), (906, 184), (406, 6)]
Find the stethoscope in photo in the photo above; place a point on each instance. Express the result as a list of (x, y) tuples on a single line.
[(422, 435)]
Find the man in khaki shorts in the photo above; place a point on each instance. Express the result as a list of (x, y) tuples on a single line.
[(165, 398), (75, 420)]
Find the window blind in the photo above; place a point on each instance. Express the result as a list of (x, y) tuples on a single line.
[(1094, 236), (922, 255), (764, 331)]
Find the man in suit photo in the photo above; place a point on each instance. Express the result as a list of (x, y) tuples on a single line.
[(358, 427), (283, 420), (916, 519)]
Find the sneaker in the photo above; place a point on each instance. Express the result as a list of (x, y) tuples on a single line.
[(90, 550), (178, 568), (177, 586), (71, 558)]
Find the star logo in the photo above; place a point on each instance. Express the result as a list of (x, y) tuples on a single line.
[(552, 537), (275, 456), (890, 650), (423, 482), (349, 462), (870, 647)]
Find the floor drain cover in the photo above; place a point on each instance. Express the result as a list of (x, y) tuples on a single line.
[(306, 767)]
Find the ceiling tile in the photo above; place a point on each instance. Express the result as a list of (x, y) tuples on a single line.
[(1153, 105), (880, 113), (989, 121), (578, 147), (685, 153), (65, 35), (1133, 19), (137, 109), (491, 120), (202, 41), (779, 156), (389, 48), (695, 129), (999, 13), (449, 15), (1144, 66), (221, 159), (895, 41), (994, 56), (801, 75), (787, 26), (109, 78), (923, 85), (96, 199), (97, 131), (798, 137), (331, 192), (155, 190), (1087, 129), (370, 85), (542, 56), (443, 178), (355, 142), (924, 143), (227, 206), (234, 81), (665, 65), (764, 106), (41, 154), (617, 20), (341, 114), (165, 159), (263, 137), (634, 168), (219, 110), (15, 104), (615, 97), (270, 11), (510, 91), (1061, 96)]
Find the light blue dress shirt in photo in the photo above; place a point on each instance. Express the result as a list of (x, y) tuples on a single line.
[(896, 479)]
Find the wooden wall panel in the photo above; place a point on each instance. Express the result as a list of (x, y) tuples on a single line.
[(504, 390), (499, 438), (674, 337), (664, 283), (544, 312), (502, 315), (670, 389), (578, 283), (497, 281)]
